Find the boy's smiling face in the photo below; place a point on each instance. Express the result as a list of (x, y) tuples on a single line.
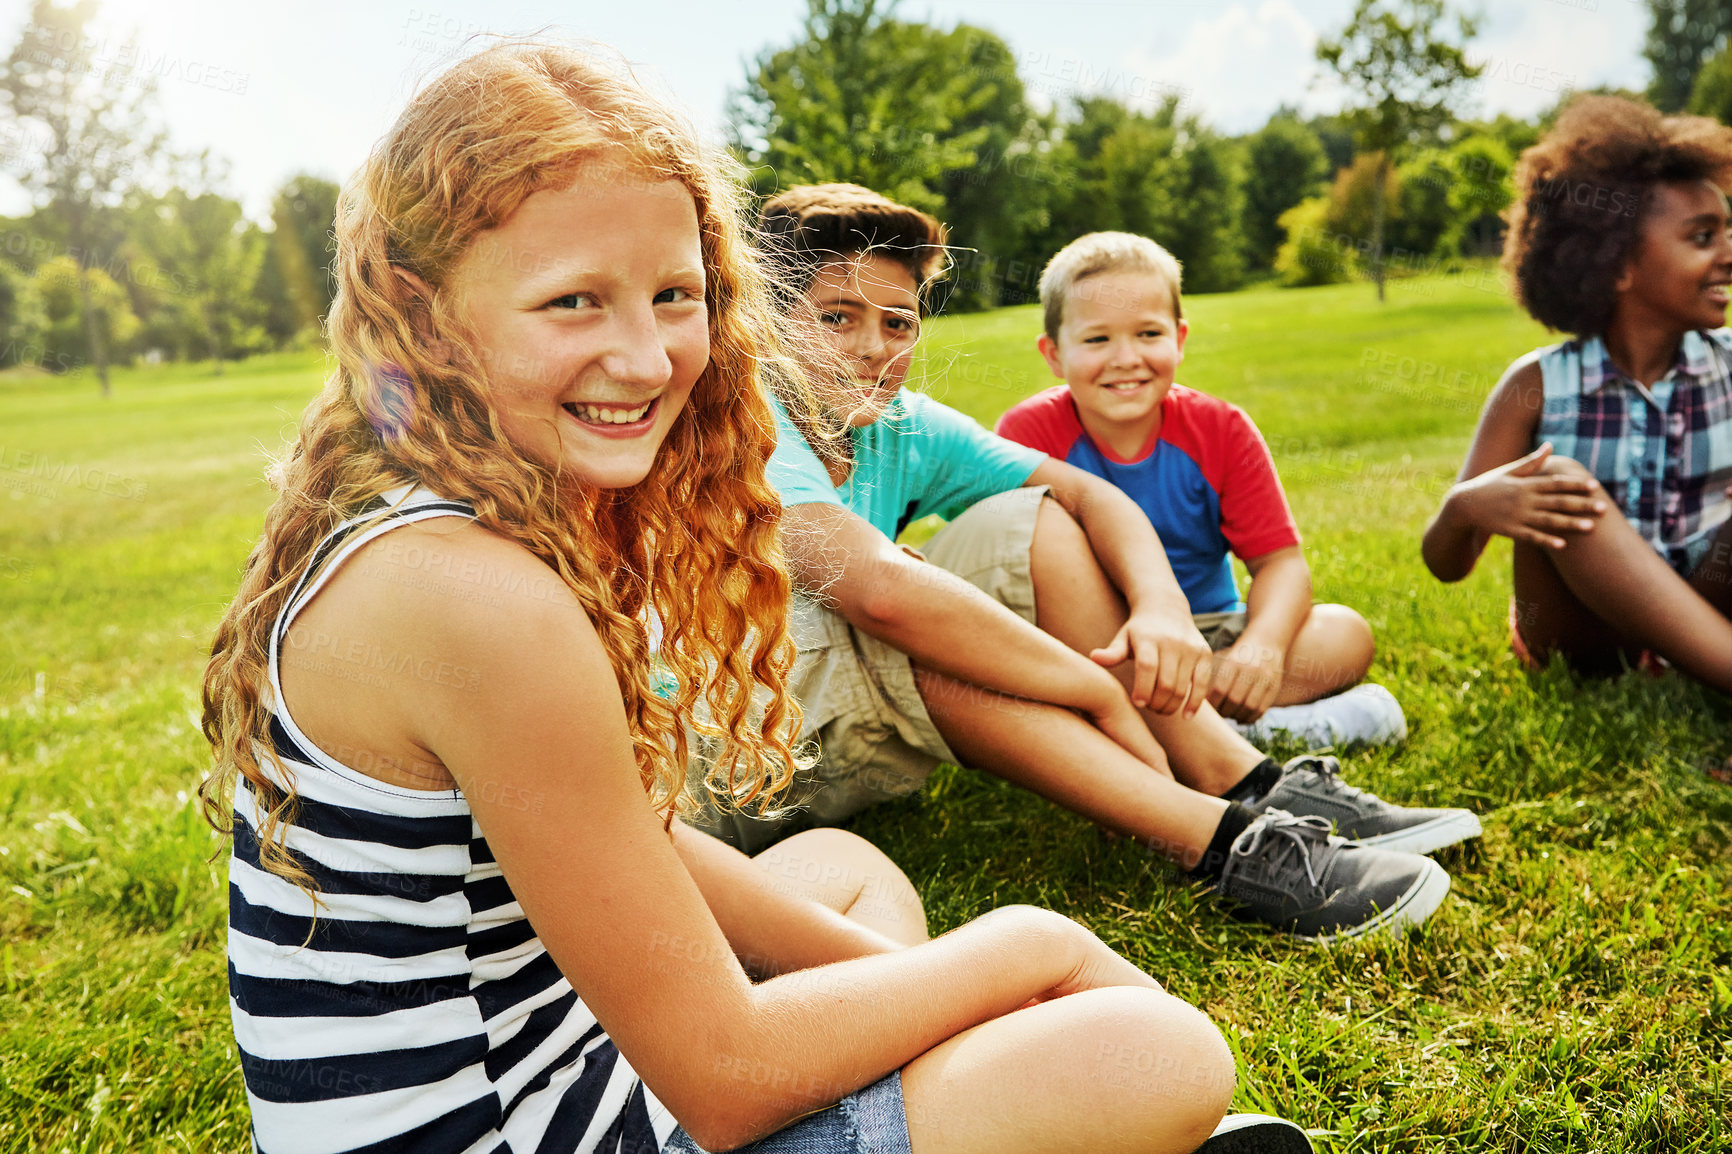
[(1118, 347), (1683, 259)]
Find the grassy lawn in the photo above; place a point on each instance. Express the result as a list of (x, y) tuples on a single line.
[(1573, 994)]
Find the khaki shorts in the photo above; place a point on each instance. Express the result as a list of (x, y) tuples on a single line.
[(874, 738), (1220, 630)]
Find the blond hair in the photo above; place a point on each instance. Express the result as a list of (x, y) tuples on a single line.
[(1101, 252), (694, 544)]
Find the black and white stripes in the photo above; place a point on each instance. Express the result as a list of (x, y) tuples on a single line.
[(413, 1008)]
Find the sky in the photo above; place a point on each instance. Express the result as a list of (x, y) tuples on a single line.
[(276, 89)]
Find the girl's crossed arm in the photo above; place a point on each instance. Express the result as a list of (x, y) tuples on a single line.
[(620, 913), (1505, 489)]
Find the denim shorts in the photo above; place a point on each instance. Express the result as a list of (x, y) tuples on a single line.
[(869, 1121)]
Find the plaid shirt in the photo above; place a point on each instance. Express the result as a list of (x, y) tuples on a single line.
[(1663, 452)]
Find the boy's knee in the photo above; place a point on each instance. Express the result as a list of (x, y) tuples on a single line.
[(1349, 635), (1053, 524), (1356, 630)]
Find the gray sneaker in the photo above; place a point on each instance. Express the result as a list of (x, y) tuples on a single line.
[(1312, 786), (1293, 874), (1256, 1134)]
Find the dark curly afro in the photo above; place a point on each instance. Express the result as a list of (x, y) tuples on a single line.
[(812, 225), (1581, 194)]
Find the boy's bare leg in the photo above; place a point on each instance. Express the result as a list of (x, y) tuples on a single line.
[(1332, 650), (850, 875), (1567, 598), (1063, 758), (1076, 602)]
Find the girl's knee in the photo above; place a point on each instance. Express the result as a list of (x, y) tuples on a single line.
[(1161, 1054), (849, 874), (1574, 470)]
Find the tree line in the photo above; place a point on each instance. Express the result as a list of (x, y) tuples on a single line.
[(133, 250)]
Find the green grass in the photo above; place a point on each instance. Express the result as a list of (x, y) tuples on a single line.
[(1574, 993)]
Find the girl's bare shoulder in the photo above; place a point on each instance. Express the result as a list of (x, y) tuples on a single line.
[(457, 562)]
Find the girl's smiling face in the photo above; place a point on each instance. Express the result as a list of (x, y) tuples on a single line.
[(1682, 265), (868, 308), (587, 309)]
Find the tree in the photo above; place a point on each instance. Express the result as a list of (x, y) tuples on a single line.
[(71, 295), (21, 319), (860, 98), (1360, 192), (935, 119), (197, 260), (86, 133), (1712, 95), (1420, 220), (299, 278), (1312, 254), (1481, 164), (1284, 164), (1336, 136), (1163, 174), (994, 205), (1682, 36), (1405, 73)]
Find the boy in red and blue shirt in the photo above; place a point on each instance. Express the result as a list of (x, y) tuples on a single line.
[(1197, 466)]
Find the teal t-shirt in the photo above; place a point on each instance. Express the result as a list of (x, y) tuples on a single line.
[(918, 458)]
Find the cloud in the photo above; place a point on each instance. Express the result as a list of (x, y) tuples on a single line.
[(1534, 52), (1238, 65)]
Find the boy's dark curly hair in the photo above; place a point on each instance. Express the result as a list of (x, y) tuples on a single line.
[(1581, 195), (812, 225)]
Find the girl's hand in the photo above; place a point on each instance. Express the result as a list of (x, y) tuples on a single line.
[(1525, 502)]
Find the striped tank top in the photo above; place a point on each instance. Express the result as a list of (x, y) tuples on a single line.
[(418, 1011)]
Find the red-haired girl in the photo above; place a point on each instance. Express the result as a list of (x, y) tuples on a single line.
[(462, 915)]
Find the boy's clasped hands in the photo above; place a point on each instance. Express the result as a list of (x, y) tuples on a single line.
[(1174, 667), (1176, 672)]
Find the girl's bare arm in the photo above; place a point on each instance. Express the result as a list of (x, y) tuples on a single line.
[(538, 740), (1505, 489)]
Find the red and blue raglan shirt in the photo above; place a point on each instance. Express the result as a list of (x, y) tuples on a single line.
[(1207, 482)]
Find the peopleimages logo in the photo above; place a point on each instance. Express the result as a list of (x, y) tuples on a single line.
[(23, 470), (129, 59)]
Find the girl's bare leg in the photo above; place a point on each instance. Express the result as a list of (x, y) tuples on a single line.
[(1569, 599), (851, 876), (1110, 1071)]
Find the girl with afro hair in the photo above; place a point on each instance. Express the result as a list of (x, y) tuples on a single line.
[(1607, 459)]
